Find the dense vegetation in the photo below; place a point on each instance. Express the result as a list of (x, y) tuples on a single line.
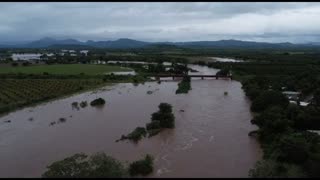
[(288, 147), (98, 165)]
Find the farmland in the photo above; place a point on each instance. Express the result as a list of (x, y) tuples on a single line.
[(19, 93), (64, 69)]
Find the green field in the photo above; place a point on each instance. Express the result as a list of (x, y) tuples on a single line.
[(65, 69)]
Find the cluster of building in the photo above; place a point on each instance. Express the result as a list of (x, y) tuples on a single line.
[(44, 56), (295, 98), (29, 56)]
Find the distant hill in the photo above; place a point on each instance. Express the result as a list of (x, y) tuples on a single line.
[(233, 44), (130, 43), (314, 43), (69, 46), (120, 43), (45, 42), (162, 45)]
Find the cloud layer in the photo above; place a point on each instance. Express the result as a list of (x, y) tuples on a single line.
[(272, 22)]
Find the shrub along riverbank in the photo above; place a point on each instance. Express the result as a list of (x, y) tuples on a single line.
[(289, 149)]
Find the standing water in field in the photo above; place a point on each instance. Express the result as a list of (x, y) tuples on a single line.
[(210, 138)]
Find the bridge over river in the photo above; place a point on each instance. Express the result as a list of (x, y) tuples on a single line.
[(158, 76)]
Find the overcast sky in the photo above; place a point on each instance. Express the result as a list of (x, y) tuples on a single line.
[(189, 21)]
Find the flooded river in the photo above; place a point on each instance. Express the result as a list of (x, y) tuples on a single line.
[(210, 139)]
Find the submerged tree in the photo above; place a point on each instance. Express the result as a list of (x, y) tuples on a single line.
[(97, 102), (164, 116)]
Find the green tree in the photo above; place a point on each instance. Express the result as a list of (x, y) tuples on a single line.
[(267, 99), (273, 169), (293, 148)]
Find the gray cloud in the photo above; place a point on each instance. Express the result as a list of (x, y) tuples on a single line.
[(286, 21)]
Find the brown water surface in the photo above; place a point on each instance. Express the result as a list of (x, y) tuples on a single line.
[(210, 139)]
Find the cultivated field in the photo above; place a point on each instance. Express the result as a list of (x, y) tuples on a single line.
[(22, 92)]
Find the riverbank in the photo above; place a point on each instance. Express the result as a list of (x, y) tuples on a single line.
[(290, 149)]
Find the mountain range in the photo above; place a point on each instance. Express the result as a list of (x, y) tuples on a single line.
[(130, 43)]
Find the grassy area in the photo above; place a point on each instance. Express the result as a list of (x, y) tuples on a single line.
[(65, 69)]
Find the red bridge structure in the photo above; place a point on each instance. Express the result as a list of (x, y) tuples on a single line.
[(158, 76)]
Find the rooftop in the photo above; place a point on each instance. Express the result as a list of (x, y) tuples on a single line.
[(291, 92), (315, 131)]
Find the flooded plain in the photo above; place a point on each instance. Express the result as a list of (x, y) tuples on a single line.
[(210, 139)]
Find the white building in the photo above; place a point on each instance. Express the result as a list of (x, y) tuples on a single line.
[(29, 56), (84, 52), (50, 54), (70, 51), (315, 131), (292, 95), (25, 56), (71, 54), (301, 103), (98, 62)]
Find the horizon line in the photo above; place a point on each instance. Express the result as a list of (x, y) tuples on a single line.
[(116, 39)]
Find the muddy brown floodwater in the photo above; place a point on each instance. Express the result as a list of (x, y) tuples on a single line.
[(210, 139)]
